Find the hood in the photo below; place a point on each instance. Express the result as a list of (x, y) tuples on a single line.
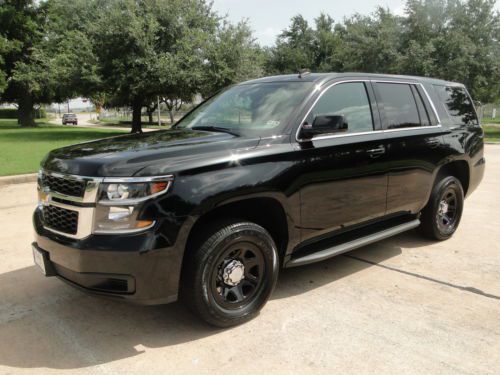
[(148, 154)]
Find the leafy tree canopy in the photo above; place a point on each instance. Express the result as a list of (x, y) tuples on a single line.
[(449, 39)]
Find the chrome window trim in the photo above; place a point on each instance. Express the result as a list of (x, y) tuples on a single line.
[(424, 90), (438, 125), (413, 128)]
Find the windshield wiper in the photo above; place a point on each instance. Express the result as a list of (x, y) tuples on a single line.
[(211, 128)]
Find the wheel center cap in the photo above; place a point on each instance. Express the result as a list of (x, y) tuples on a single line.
[(233, 273), (443, 207)]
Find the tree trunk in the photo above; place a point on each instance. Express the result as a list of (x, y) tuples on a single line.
[(171, 113), (150, 115), (26, 112), (136, 117)]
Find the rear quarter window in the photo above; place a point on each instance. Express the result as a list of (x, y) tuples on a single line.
[(457, 104)]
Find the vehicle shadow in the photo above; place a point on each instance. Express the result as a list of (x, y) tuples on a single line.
[(45, 323)]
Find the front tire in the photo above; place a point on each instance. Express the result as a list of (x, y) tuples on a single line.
[(441, 217), (230, 273)]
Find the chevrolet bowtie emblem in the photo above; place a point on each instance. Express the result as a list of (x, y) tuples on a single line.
[(44, 197)]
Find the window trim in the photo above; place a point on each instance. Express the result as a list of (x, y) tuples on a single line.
[(368, 97), (447, 110), (382, 130), (423, 113)]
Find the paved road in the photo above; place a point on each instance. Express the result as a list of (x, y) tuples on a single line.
[(404, 305), (83, 122)]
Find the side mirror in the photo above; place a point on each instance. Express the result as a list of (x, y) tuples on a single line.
[(324, 124)]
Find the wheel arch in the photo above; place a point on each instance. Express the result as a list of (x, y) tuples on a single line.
[(266, 211), (457, 168)]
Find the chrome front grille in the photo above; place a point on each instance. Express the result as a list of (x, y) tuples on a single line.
[(67, 203), (67, 186), (60, 219)]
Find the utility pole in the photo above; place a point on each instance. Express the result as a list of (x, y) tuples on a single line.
[(159, 120), (68, 106)]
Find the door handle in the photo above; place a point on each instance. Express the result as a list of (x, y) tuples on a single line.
[(376, 152), (433, 143)]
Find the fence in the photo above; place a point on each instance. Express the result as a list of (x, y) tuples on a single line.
[(489, 111)]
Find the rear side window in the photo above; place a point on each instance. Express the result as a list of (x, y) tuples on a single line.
[(457, 104), (399, 105), (348, 99)]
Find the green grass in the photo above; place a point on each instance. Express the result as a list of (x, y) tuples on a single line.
[(126, 122), (491, 133), (489, 120), (22, 149)]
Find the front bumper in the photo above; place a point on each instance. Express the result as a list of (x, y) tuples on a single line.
[(132, 267)]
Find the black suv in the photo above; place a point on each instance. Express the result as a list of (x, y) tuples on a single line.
[(275, 172)]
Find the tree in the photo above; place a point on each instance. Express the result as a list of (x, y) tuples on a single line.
[(232, 56), (294, 48), (3, 75), (371, 43), (24, 63), (142, 46), (450, 39), (454, 40), (173, 105)]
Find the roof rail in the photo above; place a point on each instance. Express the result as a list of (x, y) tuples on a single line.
[(303, 72)]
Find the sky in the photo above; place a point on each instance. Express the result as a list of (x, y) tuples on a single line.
[(269, 17)]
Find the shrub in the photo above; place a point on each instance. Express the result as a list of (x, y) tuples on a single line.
[(12, 113), (8, 113)]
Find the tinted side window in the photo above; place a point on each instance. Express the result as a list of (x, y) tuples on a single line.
[(458, 104), (399, 105), (422, 111), (348, 99)]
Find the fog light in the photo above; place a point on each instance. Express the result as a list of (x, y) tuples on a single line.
[(113, 219), (119, 213)]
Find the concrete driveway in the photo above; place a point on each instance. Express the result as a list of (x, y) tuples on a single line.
[(404, 305)]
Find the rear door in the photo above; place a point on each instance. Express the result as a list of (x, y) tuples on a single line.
[(414, 143), (344, 177)]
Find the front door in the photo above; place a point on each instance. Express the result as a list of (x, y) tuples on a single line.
[(344, 177)]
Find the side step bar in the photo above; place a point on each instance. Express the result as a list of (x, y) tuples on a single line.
[(351, 245)]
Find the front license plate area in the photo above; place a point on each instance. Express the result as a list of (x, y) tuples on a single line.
[(40, 259)]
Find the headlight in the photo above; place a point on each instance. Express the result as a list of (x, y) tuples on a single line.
[(118, 206), (131, 193)]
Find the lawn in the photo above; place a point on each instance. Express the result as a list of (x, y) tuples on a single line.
[(22, 149), (123, 121), (491, 133), (489, 120)]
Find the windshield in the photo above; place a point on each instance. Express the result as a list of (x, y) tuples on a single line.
[(258, 106)]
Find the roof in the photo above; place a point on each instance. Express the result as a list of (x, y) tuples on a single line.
[(323, 77)]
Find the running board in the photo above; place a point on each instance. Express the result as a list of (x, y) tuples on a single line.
[(351, 245)]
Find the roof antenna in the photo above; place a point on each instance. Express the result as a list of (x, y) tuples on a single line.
[(303, 72)]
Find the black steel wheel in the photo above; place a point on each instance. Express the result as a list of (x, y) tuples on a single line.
[(230, 273), (441, 216), (237, 275)]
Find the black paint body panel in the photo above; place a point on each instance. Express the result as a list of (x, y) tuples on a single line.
[(323, 186)]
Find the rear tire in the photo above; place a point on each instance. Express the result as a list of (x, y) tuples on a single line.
[(441, 216), (230, 273)]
